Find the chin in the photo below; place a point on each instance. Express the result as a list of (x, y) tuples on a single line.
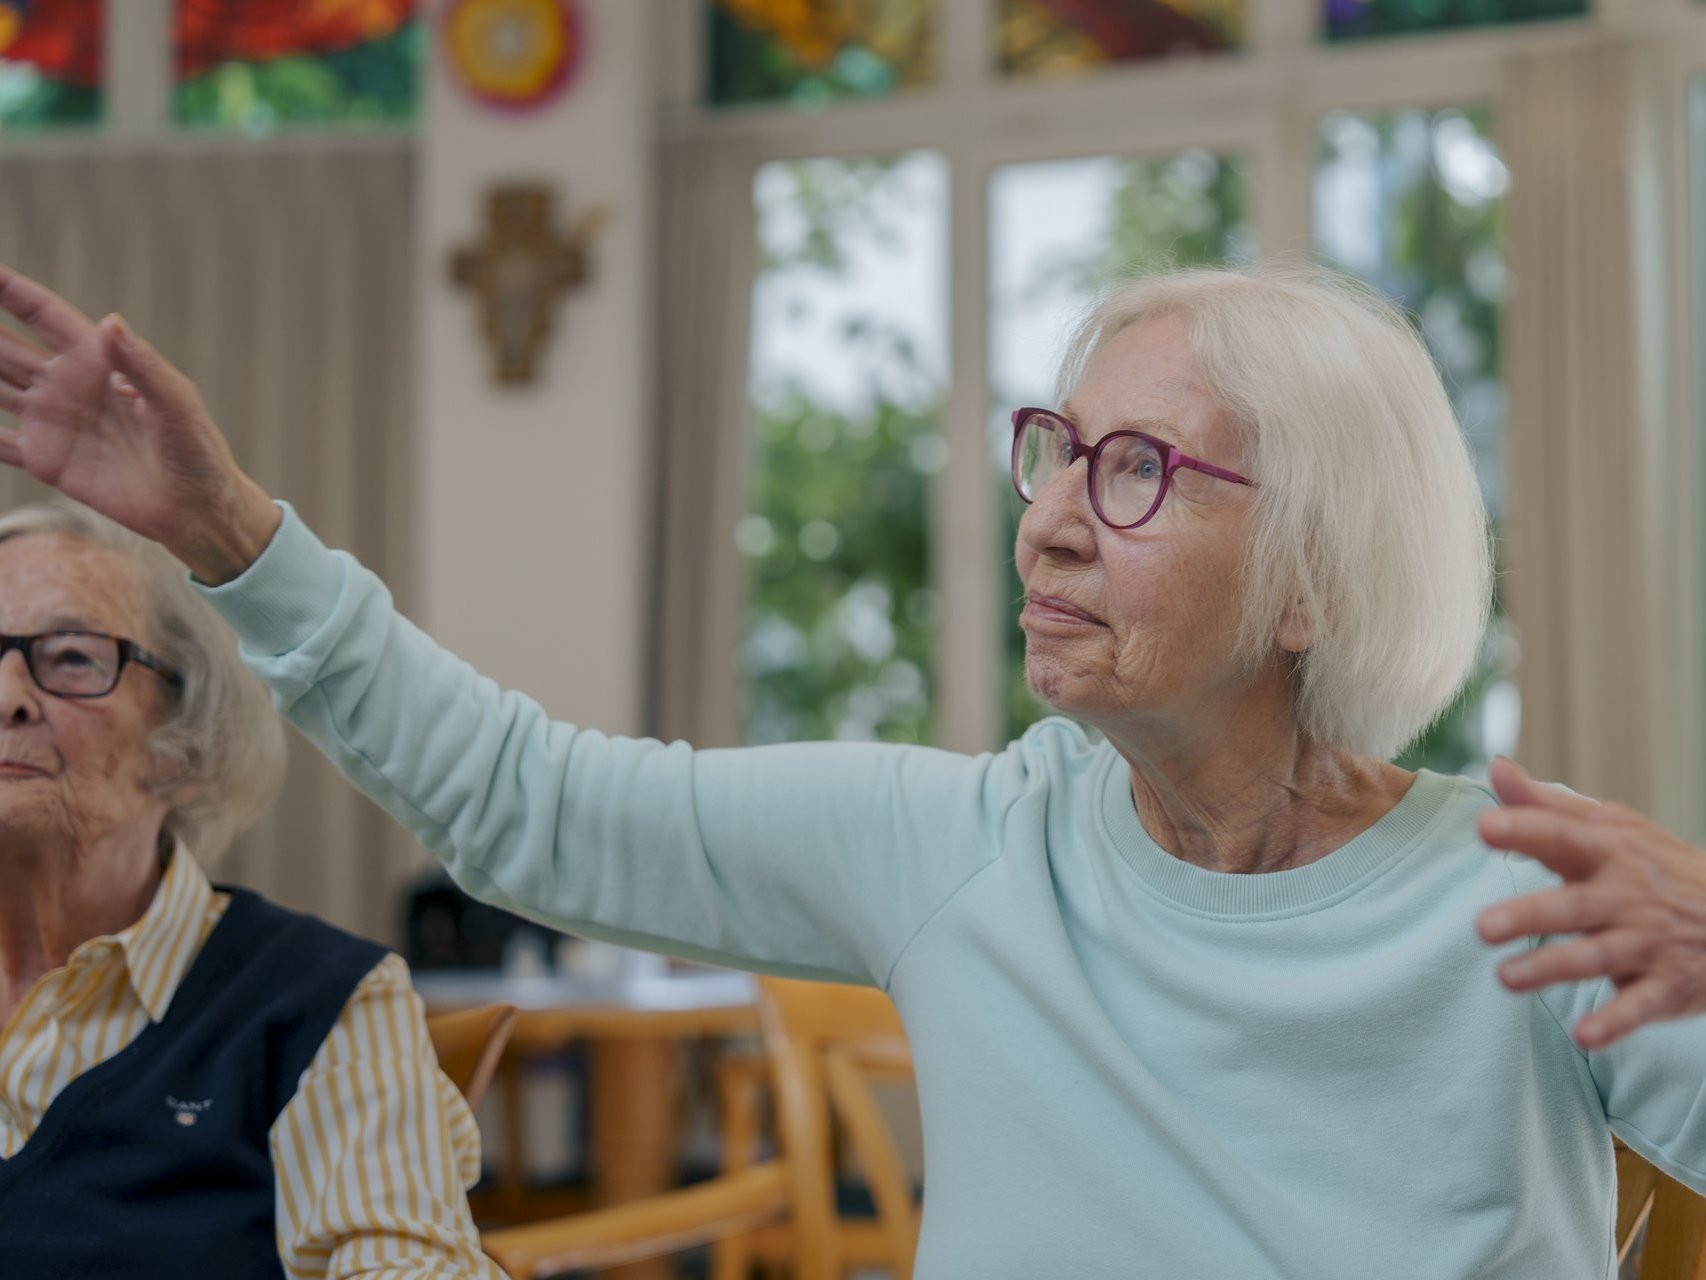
[(1055, 689), (21, 821)]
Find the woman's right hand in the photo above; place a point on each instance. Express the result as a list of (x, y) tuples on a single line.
[(106, 420)]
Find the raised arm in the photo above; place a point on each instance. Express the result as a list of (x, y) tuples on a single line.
[(812, 860), (815, 860)]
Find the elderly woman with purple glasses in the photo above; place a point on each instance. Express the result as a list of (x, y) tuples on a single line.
[(1218, 991)]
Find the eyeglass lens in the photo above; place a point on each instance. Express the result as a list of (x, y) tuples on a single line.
[(75, 664), (1129, 470)]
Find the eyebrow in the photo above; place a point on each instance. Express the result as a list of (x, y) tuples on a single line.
[(69, 622), (1160, 428)]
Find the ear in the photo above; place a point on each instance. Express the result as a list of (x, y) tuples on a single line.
[(1294, 634)]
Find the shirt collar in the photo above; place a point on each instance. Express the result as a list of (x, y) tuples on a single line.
[(159, 947)]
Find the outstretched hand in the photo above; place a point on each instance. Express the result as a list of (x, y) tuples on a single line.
[(105, 419), (1633, 894)]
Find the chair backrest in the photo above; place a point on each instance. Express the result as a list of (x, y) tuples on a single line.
[(1674, 1245), (469, 1044), (827, 1046)]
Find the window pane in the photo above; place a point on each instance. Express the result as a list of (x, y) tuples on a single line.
[(848, 371), (1059, 231), (812, 52), (1355, 19), (51, 62), (1412, 202), (259, 65), (1070, 37)]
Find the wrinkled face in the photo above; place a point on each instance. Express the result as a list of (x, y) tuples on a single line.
[(70, 769), (1138, 622)]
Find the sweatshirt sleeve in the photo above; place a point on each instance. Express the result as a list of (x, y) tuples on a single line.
[(1652, 1083), (811, 860)]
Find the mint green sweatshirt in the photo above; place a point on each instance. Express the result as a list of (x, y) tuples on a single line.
[(1128, 1066)]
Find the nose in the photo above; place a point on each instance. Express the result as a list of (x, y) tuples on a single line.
[(20, 699), (1060, 521)]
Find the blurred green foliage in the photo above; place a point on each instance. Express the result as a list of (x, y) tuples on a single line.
[(841, 614), (368, 84)]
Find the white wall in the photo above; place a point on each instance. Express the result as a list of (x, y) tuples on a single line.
[(529, 565)]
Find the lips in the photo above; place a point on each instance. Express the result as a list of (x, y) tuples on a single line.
[(1058, 608)]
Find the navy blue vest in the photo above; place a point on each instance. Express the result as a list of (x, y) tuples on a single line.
[(154, 1165)]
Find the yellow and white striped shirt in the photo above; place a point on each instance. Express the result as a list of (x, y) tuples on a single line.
[(373, 1153)]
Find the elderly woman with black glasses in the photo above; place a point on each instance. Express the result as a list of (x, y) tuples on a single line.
[(1210, 994), (193, 1082)]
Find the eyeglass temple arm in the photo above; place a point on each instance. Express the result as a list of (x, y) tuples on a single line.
[(1209, 469)]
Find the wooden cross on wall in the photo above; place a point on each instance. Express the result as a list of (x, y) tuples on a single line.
[(519, 272)]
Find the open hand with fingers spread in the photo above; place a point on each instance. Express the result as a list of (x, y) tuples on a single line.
[(105, 419), (1634, 897)]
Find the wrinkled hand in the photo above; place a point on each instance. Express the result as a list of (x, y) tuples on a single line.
[(1634, 895), (105, 419)]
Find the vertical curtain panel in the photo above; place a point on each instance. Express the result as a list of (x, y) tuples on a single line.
[(281, 281), (709, 249), (1581, 587)]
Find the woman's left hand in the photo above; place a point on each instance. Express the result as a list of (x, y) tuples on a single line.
[(1635, 895)]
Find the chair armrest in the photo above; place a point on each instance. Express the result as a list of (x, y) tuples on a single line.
[(661, 1224)]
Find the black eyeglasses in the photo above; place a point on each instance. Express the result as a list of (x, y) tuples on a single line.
[(82, 664)]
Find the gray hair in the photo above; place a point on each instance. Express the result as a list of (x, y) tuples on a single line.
[(219, 754), (1367, 515)]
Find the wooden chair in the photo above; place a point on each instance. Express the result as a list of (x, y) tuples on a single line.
[(1674, 1247), (825, 1047), (469, 1044)]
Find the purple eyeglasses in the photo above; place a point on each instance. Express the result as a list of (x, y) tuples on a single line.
[(1128, 475)]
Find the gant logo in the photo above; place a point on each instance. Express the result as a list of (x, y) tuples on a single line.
[(187, 1112)]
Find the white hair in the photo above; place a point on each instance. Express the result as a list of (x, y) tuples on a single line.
[(219, 753), (1366, 515)]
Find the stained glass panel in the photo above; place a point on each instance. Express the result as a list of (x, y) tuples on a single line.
[(813, 52), (1071, 37), (1356, 19), (1413, 203), (51, 62), (847, 373), (253, 66), (1059, 231)]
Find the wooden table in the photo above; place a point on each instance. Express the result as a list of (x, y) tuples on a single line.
[(632, 1026)]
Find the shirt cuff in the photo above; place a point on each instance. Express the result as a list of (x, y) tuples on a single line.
[(285, 596)]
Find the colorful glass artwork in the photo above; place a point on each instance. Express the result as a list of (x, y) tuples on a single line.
[(1072, 37), (51, 62), (257, 65), (513, 54), (1357, 19), (813, 52)]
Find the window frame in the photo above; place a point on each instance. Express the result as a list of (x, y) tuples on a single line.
[(1264, 102)]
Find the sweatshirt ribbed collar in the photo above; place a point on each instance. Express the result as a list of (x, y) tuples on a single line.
[(1273, 892)]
